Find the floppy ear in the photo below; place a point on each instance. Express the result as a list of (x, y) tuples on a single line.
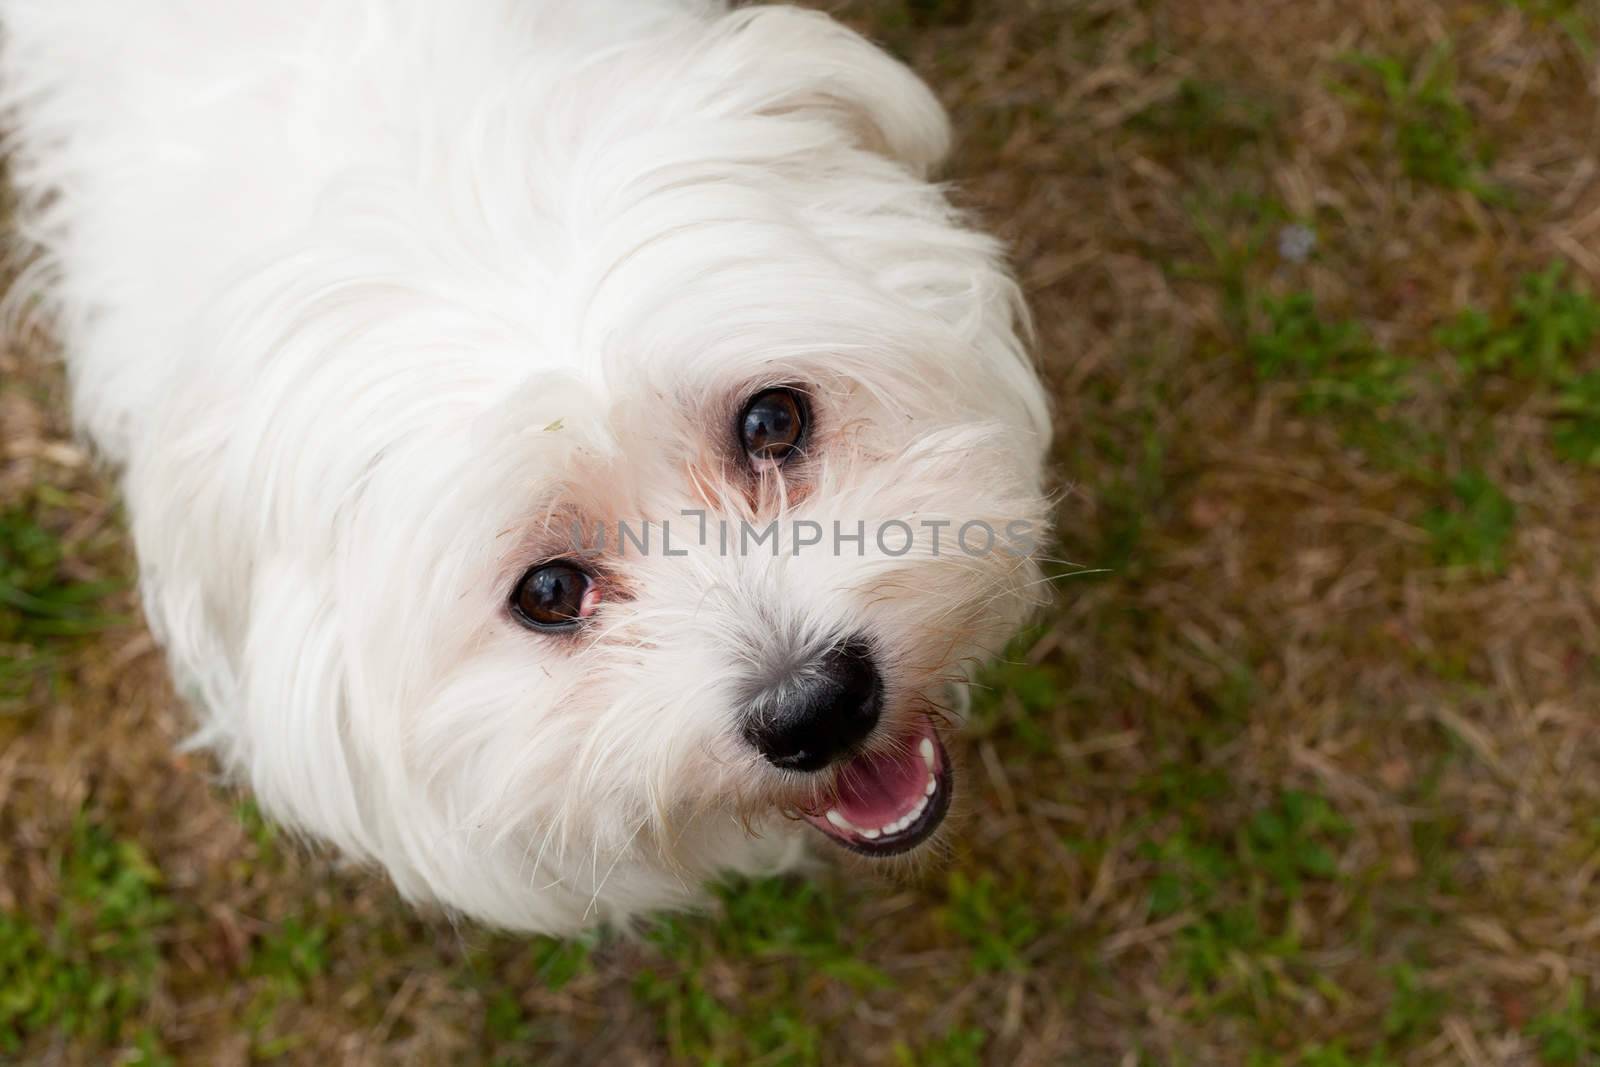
[(803, 62)]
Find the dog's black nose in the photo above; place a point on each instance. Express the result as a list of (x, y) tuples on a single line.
[(819, 713)]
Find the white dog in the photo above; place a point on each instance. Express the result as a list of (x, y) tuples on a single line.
[(376, 303)]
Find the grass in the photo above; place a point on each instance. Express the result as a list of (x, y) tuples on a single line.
[(283, 965), (1577, 426), (1575, 17), (1473, 529), (961, 1047), (1235, 887), (1426, 125), (1413, 1010), (1209, 118), (1337, 374), (89, 968), (1333, 364), (790, 934), (1549, 324), (1568, 1035), (42, 607), (1542, 342), (1304, 775), (1333, 1055), (996, 923)]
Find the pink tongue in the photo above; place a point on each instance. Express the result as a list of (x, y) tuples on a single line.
[(878, 788)]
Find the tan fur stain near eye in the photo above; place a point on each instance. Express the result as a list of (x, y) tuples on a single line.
[(746, 494), (571, 525), (708, 486)]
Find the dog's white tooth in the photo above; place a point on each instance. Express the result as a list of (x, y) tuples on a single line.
[(926, 748), (839, 820), (871, 835), (933, 785)]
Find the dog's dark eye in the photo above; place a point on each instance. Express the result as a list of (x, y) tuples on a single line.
[(552, 596), (773, 425)]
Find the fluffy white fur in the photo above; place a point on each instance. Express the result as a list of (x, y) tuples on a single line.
[(368, 300)]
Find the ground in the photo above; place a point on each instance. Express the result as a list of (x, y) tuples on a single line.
[(1300, 771)]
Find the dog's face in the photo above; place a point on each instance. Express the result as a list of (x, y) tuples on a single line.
[(720, 588)]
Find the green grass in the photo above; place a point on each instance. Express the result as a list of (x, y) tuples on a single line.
[(1208, 118), (1548, 324), (1568, 1034), (291, 957), (1333, 364), (792, 931), (1575, 17), (38, 599), (263, 833), (996, 922), (1550, 9), (557, 961), (93, 966), (1236, 885), (1473, 528), (1292, 842), (1414, 1009), (1234, 231), (284, 963), (41, 603), (1325, 1055), (1132, 504), (940, 12), (1016, 697), (1576, 433), (1428, 128), (1341, 376), (962, 1046), (1542, 340), (513, 1031)]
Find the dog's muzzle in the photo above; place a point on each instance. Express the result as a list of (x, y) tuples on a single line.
[(888, 794), (819, 714)]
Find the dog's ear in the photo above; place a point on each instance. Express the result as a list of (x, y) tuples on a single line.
[(803, 62)]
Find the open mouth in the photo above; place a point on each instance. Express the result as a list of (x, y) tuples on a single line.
[(890, 802)]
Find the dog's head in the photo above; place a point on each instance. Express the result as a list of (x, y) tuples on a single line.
[(682, 525), (688, 598), (730, 578)]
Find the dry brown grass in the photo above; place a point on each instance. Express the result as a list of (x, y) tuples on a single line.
[(1279, 619)]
